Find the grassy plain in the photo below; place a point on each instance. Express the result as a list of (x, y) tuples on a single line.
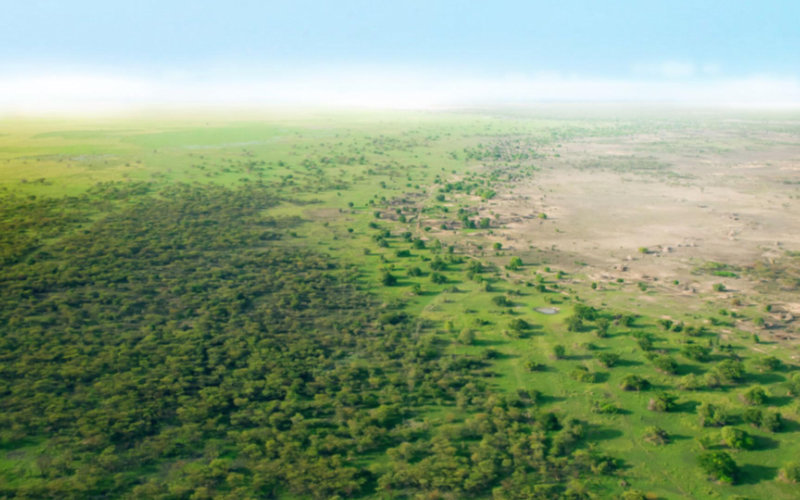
[(636, 218)]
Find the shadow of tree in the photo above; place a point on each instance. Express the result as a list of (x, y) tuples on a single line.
[(754, 474)]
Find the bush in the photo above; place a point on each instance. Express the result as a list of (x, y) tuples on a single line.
[(794, 385), (662, 402), (534, 366), (559, 351), (756, 395), (585, 312), (602, 325), (656, 435), (713, 416), (772, 421), (730, 371), (767, 364), (753, 416), (736, 438), (438, 278), (414, 272), (519, 325), (501, 301), (582, 374), (665, 364), (574, 323), (634, 383), (690, 382), (790, 472), (719, 466), (696, 352), (608, 359), (388, 279), (466, 337)]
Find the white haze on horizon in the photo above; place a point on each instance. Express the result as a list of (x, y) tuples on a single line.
[(97, 91)]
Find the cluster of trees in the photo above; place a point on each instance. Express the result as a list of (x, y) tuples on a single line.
[(180, 346)]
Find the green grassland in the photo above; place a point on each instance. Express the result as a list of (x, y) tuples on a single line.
[(313, 306)]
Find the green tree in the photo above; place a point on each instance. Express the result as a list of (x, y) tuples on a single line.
[(387, 278), (719, 466)]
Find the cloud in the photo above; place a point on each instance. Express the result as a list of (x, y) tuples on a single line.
[(373, 87)]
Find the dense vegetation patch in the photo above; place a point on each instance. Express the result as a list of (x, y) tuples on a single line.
[(179, 347)]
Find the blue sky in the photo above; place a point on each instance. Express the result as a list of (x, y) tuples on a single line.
[(667, 49)]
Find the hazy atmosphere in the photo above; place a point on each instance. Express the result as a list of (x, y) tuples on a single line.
[(91, 55)]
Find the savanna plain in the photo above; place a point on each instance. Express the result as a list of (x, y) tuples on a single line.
[(538, 303)]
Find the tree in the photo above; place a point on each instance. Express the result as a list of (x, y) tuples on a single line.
[(665, 364), (514, 264), (730, 370), (608, 359), (719, 466), (790, 472), (602, 325), (467, 336), (711, 415), (559, 351), (755, 395), (574, 323), (656, 435), (662, 402), (736, 438), (387, 278), (633, 382)]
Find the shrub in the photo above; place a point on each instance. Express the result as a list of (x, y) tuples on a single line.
[(753, 416), (519, 325), (602, 325), (388, 279), (730, 370), (772, 421), (736, 438), (767, 364), (608, 359), (438, 278), (501, 301), (662, 402), (656, 435), (719, 466), (585, 312), (534, 366), (634, 383), (713, 416), (696, 352), (574, 323), (582, 374), (690, 382), (466, 337), (755, 395), (559, 351), (794, 385), (790, 472), (665, 364), (514, 264), (414, 272)]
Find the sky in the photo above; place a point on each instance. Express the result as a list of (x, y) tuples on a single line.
[(85, 54)]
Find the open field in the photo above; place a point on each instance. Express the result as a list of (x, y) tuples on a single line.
[(359, 304)]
